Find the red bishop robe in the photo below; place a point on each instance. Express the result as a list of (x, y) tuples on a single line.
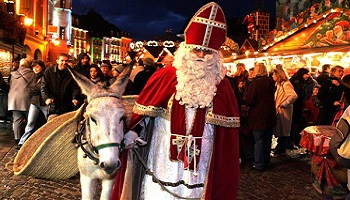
[(223, 175)]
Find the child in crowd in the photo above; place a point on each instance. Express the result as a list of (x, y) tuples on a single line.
[(310, 111)]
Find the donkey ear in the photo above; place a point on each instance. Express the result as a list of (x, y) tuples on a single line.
[(120, 84), (84, 83)]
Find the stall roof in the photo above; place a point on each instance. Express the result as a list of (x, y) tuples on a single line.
[(327, 32)]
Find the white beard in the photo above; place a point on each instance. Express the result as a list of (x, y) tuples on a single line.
[(197, 77)]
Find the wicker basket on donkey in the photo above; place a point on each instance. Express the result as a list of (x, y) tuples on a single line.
[(50, 153)]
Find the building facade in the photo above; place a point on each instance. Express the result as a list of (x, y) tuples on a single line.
[(35, 41), (262, 25), (114, 49), (79, 42), (12, 33), (96, 49), (59, 28)]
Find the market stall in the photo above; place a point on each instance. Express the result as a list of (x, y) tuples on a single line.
[(316, 40), (323, 40)]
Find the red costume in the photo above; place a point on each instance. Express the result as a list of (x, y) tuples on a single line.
[(221, 174), (222, 182)]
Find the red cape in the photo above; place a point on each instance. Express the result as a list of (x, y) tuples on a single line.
[(223, 175)]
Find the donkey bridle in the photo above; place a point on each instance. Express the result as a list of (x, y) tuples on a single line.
[(90, 150)]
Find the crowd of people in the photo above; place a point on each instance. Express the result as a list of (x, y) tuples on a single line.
[(281, 107), (36, 92), (203, 122)]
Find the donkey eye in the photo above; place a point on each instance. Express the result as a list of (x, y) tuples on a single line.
[(93, 120)]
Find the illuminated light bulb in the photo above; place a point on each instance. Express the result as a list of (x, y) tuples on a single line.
[(28, 21)]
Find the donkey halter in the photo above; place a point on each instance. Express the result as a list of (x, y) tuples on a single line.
[(83, 141)]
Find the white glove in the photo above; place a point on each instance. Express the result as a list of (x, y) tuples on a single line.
[(131, 139)]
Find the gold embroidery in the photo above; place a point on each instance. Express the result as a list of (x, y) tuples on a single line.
[(151, 111), (179, 142), (191, 153), (211, 118)]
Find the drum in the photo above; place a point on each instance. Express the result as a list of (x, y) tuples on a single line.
[(329, 178)]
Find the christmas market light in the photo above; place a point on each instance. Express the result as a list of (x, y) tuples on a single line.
[(28, 21)]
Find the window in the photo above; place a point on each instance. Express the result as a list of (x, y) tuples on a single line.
[(39, 12), (62, 33), (63, 4)]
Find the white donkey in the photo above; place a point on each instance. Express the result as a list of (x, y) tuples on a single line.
[(99, 135)]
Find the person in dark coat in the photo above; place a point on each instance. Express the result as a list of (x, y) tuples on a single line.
[(259, 97), (4, 89), (105, 68), (142, 77), (324, 74), (37, 110), (83, 65), (58, 88), (239, 81), (303, 85), (330, 95)]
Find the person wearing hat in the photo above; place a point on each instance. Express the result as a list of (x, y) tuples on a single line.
[(192, 149), (83, 65), (95, 74), (116, 70), (105, 68)]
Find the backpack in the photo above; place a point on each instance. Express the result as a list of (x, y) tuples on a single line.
[(339, 144)]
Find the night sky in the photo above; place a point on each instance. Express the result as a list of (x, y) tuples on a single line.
[(144, 19)]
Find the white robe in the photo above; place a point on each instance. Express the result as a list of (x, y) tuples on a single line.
[(172, 171)]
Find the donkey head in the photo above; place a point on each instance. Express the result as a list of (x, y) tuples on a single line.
[(104, 114)]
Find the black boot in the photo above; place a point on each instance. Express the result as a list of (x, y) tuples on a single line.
[(281, 146)]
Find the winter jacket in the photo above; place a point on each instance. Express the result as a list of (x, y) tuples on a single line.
[(34, 89), (18, 97), (60, 86), (285, 96), (83, 69), (259, 97)]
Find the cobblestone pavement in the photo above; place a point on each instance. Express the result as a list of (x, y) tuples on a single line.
[(288, 179)]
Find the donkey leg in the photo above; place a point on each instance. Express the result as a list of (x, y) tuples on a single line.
[(88, 187), (107, 187)]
